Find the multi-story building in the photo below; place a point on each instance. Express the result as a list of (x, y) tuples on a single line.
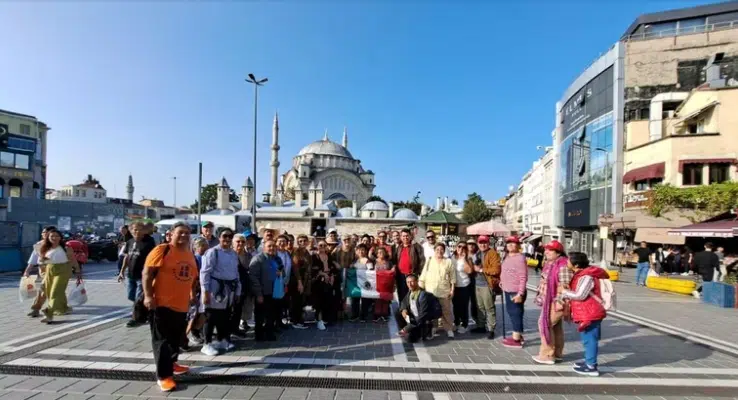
[(510, 208), (22, 155), (539, 196), (90, 191), (638, 79)]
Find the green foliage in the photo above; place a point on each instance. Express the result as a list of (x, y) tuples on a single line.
[(475, 210), (707, 200), (343, 203), (376, 198), (209, 198)]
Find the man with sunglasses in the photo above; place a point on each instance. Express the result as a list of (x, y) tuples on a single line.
[(430, 244)]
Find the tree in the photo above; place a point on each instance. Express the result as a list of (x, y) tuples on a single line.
[(209, 198), (475, 209), (376, 198), (343, 203)]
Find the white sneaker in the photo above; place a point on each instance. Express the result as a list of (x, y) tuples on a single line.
[(472, 321), (696, 294), (450, 334), (321, 325), (209, 350), (461, 330), (685, 274)]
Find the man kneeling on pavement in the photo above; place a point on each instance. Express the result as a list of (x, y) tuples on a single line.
[(418, 311)]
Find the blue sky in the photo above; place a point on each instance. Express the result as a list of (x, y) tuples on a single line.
[(442, 97)]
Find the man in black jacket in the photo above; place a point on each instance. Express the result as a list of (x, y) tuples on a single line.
[(416, 313), (705, 263), (408, 258)]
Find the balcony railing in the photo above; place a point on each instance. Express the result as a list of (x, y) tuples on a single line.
[(719, 26)]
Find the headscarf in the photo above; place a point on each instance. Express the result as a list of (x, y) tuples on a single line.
[(552, 285)]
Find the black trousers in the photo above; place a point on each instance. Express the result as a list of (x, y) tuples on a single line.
[(462, 295), (265, 317), (167, 328), (296, 304), (400, 280), (219, 320), (416, 329), (361, 308), (234, 323)]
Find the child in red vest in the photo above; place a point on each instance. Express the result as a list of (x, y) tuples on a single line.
[(587, 310)]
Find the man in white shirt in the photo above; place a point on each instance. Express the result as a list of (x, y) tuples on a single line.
[(429, 244)]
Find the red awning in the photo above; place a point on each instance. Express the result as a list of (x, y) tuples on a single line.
[(648, 172), (723, 229), (706, 161)]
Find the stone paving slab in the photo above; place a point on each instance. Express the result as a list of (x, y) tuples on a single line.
[(682, 311)]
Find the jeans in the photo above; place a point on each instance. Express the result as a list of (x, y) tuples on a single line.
[(642, 273), (590, 339), (515, 311), (134, 289)]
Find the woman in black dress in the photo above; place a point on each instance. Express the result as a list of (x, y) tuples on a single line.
[(326, 286)]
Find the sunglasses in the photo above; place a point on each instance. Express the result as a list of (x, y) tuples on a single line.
[(226, 236)]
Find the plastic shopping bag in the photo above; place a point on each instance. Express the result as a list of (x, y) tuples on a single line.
[(28, 289), (78, 296), (278, 290)]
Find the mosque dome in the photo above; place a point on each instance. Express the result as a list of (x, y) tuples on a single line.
[(325, 147), (346, 212), (375, 206), (405, 213)]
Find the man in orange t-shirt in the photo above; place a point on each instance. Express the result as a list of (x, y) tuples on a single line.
[(168, 281)]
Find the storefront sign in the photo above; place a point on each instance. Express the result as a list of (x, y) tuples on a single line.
[(637, 199), (576, 213), (16, 173)]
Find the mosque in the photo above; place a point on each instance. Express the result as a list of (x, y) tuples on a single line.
[(304, 198)]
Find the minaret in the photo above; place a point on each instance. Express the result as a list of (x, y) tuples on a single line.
[(345, 138), (247, 195), (275, 154), (223, 198), (129, 188), (325, 135)]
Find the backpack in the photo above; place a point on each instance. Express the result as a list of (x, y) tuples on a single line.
[(607, 297)]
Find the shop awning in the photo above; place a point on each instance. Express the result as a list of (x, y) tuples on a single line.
[(657, 236), (720, 229), (648, 172), (532, 238), (637, 219), (706, 161)]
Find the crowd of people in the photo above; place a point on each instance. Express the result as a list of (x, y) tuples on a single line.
[(209, 291)]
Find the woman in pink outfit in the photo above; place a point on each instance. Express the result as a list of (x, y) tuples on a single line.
[(513, 280)]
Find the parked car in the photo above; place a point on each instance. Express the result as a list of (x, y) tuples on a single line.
[(104, 249)]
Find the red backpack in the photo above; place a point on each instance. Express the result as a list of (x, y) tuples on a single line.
[(80, 250)]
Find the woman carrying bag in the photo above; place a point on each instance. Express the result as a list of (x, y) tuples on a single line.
[(60, 264)]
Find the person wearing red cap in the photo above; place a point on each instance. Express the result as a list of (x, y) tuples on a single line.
[(487, 284), (555, 278), (514, 281)]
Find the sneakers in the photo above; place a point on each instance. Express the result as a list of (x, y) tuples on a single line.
[(472, 321), (512, 343), (540, 360), (299, 326), (587, 370), (228, 346), (166, 385), (450, 334), (194, 340), (132, 323), (580, 364), (180, 369), (209, 350), (696, 294), (321, 325), (461, 330)]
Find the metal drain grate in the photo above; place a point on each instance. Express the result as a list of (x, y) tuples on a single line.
[(369, 384)]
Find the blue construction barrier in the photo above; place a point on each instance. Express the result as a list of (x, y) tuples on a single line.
[(719, 294)]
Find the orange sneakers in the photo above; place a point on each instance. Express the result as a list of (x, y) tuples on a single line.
[(180, 369), (166, 384)]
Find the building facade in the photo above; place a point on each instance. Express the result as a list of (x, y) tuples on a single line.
[(90, 191), (22, 156)]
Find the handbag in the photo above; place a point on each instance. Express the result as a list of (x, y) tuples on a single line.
[(278, 290)]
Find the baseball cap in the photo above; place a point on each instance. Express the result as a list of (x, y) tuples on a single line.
[(332, 230), (554, 245), (512, 239), (483, 239), (471, 241), (207, 224)]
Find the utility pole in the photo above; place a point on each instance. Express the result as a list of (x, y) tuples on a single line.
[(175, 194), (199, 196), (257, 82)]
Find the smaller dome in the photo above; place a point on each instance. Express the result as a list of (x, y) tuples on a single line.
[(346, 212), (375, 206), (405, 213)]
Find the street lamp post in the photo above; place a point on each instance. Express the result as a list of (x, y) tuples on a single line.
[(256, 82), (603, 263), (175, 194)]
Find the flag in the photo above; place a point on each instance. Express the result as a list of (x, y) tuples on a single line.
[(370, 284)]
